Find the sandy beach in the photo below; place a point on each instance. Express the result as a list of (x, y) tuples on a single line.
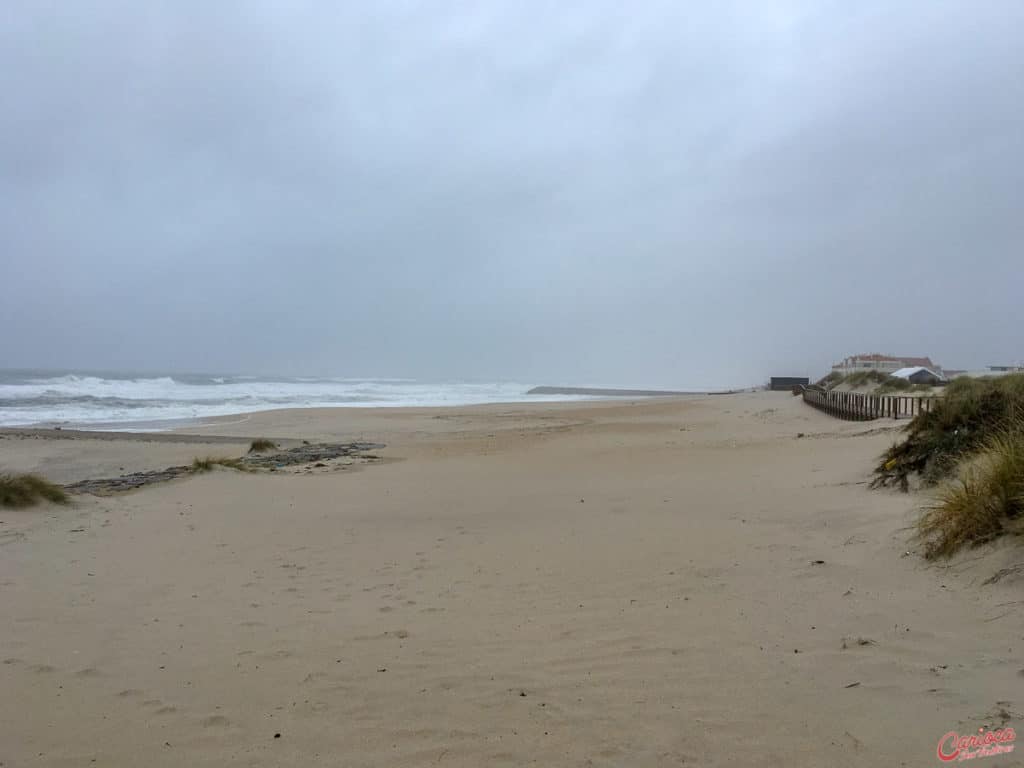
[(699, 581)]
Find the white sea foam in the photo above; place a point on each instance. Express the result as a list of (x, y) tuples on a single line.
[(117, 400)]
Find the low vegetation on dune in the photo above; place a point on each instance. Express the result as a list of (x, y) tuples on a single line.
[(882, 383), (971, 412), (986, 501), (261, 444), (865, 378), (208, 463), (830, 380), (18, 491), (973, 440), (893, 385)]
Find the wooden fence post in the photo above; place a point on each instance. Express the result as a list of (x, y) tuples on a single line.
[(863, 406)]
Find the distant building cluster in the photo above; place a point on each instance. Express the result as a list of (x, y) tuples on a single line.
[(918, 370), (883, 363)]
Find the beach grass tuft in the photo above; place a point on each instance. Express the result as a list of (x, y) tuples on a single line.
[(208, 463), (261, 444), (972, 412), (894, 384), (19, 491), (831, 379), (982, 502), (883, 383), (862, 378), (973, 442)]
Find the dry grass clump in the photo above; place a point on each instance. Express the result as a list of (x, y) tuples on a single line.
[(976, 435), (884, 383), (860, 378), (208, 463), (894, 384), (261, 444), (978, 506), (830, 380), (18, 491), (971, 412)]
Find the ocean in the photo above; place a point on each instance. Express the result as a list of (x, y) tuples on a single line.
[(106, 400)]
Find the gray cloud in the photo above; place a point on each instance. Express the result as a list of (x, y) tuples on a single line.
[(628, 194)]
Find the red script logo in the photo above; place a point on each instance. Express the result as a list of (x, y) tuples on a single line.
[(984, 743)]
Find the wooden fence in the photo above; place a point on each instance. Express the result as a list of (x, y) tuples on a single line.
[(856, 406)]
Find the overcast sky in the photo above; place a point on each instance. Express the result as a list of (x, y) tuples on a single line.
[(637, 194)]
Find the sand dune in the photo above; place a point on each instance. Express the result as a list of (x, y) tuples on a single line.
[(656, 583)]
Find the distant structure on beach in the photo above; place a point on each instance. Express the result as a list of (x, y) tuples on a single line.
[(1018, 368), (883, 363), (605, 392), (786, 383), (992, 370)]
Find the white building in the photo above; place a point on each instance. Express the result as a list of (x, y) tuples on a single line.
[(883, 363)]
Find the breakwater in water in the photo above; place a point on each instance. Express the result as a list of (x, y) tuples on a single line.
[(602, 392)]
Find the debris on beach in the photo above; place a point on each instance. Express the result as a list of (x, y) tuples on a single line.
[(307, 453)]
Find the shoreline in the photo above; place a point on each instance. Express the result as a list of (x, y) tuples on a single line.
[(172, 426), (40, 433)]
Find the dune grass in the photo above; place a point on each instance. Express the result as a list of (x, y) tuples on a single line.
[(981, 504), (972, 412), (208, 463), (884, 383), (19, 491), (894, 384), (973, 442), (261, 444), (861, 378), (830, 380)]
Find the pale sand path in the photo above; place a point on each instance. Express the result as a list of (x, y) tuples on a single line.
[(643, 573)]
